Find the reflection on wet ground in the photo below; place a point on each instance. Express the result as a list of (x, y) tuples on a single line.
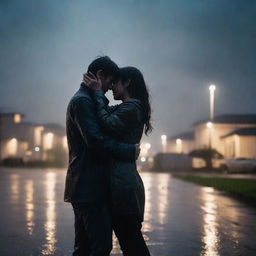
[(180, 218)]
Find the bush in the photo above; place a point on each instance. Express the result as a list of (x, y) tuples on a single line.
[(13, 161)]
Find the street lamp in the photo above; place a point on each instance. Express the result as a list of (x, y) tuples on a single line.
[(164, 142), (209, 126), (147, 146), (212, 89), (179, 145)]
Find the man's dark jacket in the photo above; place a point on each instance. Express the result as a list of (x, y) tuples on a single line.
[(88, 171)]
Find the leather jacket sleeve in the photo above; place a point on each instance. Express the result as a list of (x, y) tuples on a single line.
[(114, 120), (86, 120)]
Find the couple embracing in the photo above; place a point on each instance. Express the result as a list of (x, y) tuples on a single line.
[(102, 182)]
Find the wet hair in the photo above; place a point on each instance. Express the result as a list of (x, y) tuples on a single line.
[(104, 63), (137, 89)]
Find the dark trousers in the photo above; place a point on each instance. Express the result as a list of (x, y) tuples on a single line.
[(128, 231), (93, 231)]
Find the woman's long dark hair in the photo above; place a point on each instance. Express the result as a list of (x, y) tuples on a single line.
[(137, 89)]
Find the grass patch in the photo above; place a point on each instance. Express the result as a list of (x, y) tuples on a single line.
[(243, 188)]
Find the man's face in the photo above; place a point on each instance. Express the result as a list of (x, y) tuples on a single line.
[(106, 82)]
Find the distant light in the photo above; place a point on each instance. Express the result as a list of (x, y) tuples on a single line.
[(164, 142), (12, 146), (38, 135), (178, 141), (17, 118), (143, 159), (151, 159), (65, 142), (163, 137), (48, 140), (209, 125), (212, 88), (147, 146), (37, 149), (28, 153)]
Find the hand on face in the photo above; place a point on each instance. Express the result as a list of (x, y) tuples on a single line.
[(92, 81)]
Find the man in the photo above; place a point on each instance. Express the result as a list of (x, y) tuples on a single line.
[(87, 176)]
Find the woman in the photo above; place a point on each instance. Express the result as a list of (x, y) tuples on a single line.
[(126, 123)]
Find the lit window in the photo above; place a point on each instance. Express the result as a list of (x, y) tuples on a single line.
[(38, 135), (64, 142), (48, 141), (17, 118), (12, 147), (29, 153)]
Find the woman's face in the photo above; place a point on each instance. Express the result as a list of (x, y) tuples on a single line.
[(119, 90)]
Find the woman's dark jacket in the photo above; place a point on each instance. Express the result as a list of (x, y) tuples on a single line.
[(124, 122)]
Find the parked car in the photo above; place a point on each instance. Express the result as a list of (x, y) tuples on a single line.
[(238, 165)]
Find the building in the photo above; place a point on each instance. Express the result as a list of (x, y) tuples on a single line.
[(233, 135), (225, 135), (240, 143), (182, 143), (30, 141)]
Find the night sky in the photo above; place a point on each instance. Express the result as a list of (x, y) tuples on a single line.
[(180, 46)]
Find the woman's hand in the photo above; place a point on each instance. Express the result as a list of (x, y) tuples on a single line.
[(92, 81)]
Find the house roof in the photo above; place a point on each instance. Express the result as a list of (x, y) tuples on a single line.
[(231, 119), (248, 131), (183, 136), (56, 128), (11, 114)]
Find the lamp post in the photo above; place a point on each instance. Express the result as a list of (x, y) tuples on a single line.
[(164, 142), (147, 148), (212, 89), (179, 145), (209, 126)]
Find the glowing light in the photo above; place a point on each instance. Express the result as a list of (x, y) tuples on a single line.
[(12, 147), (148, 183), (49, 247), (38, 135), (212, 88), (147, 146), (163, 137), (48, 140), (209, 125), (29, 153), (151, 159), (179, 145), (143, 159), (30, 208), (211, 235), (65, 142), (15, 189), (162, 196), (37, 149), (164, 142), (17, 118), (178, 141)]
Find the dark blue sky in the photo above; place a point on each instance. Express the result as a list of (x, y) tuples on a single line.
[(180, 46)]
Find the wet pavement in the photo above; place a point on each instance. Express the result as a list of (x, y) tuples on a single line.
[(181, 219)]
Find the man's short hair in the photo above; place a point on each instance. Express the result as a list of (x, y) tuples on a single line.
[(105, 64)]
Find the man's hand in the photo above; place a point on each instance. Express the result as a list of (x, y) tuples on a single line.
[(137, 151), (92, 81)]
